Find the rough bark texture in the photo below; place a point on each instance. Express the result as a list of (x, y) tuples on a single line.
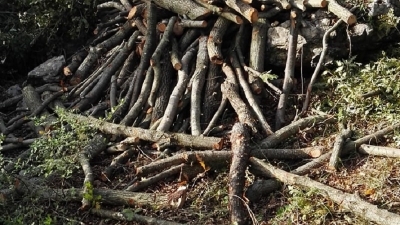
[(239, 138)]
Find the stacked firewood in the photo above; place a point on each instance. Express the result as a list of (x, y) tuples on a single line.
[(164, 72)]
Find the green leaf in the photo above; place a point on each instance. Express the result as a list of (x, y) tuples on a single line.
[(266, 76)]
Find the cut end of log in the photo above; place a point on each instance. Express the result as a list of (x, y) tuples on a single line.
[(351, 20), (216, 60), (178, 29), (177, 66), (315, 153), (67, 71), (132, 13), (254, 16), (315, 3)]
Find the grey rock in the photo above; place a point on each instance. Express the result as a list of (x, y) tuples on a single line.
[(47, 72)]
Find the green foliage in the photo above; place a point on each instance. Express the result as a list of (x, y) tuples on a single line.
[(304, 206), (33, 30), (57, 150), (351, 81), (267, 76), (384, 24)]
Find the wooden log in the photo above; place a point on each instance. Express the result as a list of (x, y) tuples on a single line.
[(111, 197), (177, 92), (175, 59), (348, 201), (136, 11), (285, 132), (185, 7), (150, 135), (158, 99), (199, 74), (249, 95), (193, 23), (212, 94), (337, 148), (341, 12), (129, 216), (230, 88), (248, 12), (369, 139), (91, 150), (240, 148), (315, 3), (215, 40), (295, 16), (379, 151), (111, 4)]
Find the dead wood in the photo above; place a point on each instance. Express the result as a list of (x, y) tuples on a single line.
[(91, 150), (136, 11), (175, 59), (270, 12), (299, 153), (110, 4), (110, 197), (240, 154), (319, 66), (369, 139), (212, 95), (215, 40), (159, 98), (285, 132), (257, 75), (249, 95), (350, 202), (185, 7), (202, 62), (161, 138), (315, 3), (216, 159), (261, 188), (258, 45), (341, 12), (139, 104), (16, 145), (141, 184), (224, 12), (116, 163), (295, 16), (337, 148), (248, 12), (177, 93), (127, 5), (230, 89), (379, 151), (77, 59), (94, 52), (130, 216)]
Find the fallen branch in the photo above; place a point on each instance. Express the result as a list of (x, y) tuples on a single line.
[(91, 150), (239, 138), (379, 151), (295, 16), (161, 138), (337, 148), (285, 132), (319, 66), (129, 215), (350, 202)]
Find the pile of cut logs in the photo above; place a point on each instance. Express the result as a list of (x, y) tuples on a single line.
[(165, 72)]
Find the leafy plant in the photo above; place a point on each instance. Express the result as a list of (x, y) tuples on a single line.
[(303, 206), (56, 150)]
